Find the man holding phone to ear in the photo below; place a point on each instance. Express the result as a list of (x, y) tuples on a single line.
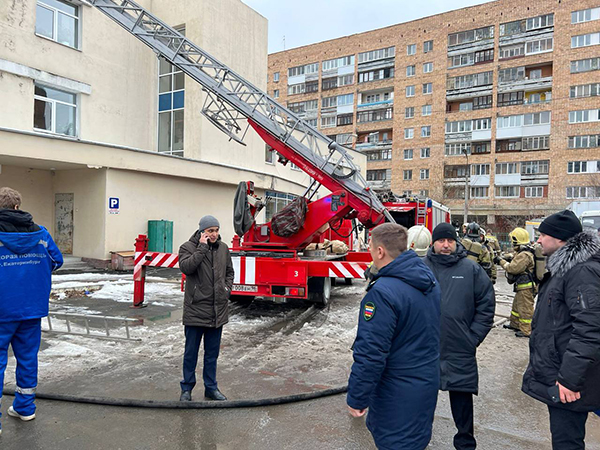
[(206, 262)]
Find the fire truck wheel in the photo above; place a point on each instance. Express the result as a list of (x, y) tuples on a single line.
[(319, 290), (242, 299), (348, 281)]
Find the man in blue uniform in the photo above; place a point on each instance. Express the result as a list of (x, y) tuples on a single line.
[(28, 255), (396, 352)]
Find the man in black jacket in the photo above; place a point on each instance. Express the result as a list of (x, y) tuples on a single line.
[(564, 348), (468, 304), (206, 262)]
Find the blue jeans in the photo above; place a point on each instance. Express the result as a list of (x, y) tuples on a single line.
[(25, 337), (212, 344)]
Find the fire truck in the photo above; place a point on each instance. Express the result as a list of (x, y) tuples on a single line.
[(270, 258), (409, 210)]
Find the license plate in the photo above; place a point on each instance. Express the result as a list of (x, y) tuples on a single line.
[(244, 288)]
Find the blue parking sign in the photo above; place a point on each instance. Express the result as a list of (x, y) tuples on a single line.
[(113, 203)]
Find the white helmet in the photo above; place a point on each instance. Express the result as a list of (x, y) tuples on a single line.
[(419, 239)]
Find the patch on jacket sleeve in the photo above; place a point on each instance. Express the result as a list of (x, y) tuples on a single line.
[(369, 311)]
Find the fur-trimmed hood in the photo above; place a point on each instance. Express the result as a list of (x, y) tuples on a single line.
[(578, 249)]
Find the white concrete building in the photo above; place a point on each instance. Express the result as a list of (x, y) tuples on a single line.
[(89, 113)]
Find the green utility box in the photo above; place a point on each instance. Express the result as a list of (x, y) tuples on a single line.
[(160, 236)]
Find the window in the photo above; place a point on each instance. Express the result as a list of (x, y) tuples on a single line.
[(311, 122), (467, 106), (269, 154), (509, 145), (312, 86), (583, 192), (408, 153), (276, 93), (461, 126), (455, 172), (409, 133), (465, 37), (344, 138), (58, 20), (585, 40), (479, 192), (303, 70), (424, 193), (276, 201), (424, 174), (375, 55), (410, 91), (407, 175), (276, 77), (480, 169), (303, 107), (428, 67), (344, 100), (466, 59), (425, 152), (171, 99), (484, 56), (376, 115), (55, 111), (482, 124), (427, 46), (344, 61), (470, 81), (458, 149), (410, 71), (511, 51), (539, 118), (296, 89), (409, 112), (407, 193), (584, 141), (380, 155), (426, 131), (411, 49), (507, 168), (427, 88), (374, 75), (426, 110), (538, 22), (585, 65), (577, 167), (510, 121), (585, 90), (345, 119), (539, 46), (534, 191), (535, 167), (482, 102), (345, 80), (536, 143), (511, 98), (481, 147), (329, 83), (585, 15), (328, 121), (586, 115), (507, 191)]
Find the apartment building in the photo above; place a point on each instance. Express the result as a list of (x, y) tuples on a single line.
[(499, 100), (100, 135)]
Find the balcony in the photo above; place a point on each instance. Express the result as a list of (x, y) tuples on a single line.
[(379, 184), (370, 146), (525, 84), (375, 105)]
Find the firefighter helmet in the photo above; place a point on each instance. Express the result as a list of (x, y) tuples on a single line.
[(473, 230), (519, 236), (419, 239)]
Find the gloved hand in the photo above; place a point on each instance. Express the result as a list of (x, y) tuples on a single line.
[(497, 260)]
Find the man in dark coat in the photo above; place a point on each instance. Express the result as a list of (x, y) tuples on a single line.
[(206, 262), (396, 352), (468, 304), (564, 348), (28, 256)]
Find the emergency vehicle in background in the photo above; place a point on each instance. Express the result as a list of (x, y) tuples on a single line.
[(270, 259)]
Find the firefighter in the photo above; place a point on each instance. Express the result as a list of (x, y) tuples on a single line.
[(519, 272), (493, 242), (488, 246), (419, 239), (475, 251)]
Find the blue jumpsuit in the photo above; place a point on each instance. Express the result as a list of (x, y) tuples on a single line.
[(26, 263)]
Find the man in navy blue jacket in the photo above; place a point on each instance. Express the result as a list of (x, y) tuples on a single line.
[(396, 352), (28, 255)]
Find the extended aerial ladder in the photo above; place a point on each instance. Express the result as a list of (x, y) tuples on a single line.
[(233, 104)]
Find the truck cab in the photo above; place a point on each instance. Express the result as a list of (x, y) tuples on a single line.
[(590, 220)]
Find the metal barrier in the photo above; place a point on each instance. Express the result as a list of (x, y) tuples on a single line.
[(89, 332)]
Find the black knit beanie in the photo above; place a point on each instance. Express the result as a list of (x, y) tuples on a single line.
[(562, 225), (444, 231)]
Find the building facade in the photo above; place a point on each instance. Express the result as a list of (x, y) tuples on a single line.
[(500, 100), (100, 135)]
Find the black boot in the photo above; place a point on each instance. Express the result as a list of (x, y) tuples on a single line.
[(508, 326), (186, 396), (214, 394), (521, 334)]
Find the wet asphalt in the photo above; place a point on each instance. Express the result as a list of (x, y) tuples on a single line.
[(505, 418)]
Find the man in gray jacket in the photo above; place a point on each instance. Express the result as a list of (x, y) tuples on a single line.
[(206, 262)]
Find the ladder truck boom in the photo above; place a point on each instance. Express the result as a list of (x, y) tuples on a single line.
[(233, 105)]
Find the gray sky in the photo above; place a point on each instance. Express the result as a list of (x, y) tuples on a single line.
[(308, 21)]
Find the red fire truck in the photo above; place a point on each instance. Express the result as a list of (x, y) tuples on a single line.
[(270, 259)]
